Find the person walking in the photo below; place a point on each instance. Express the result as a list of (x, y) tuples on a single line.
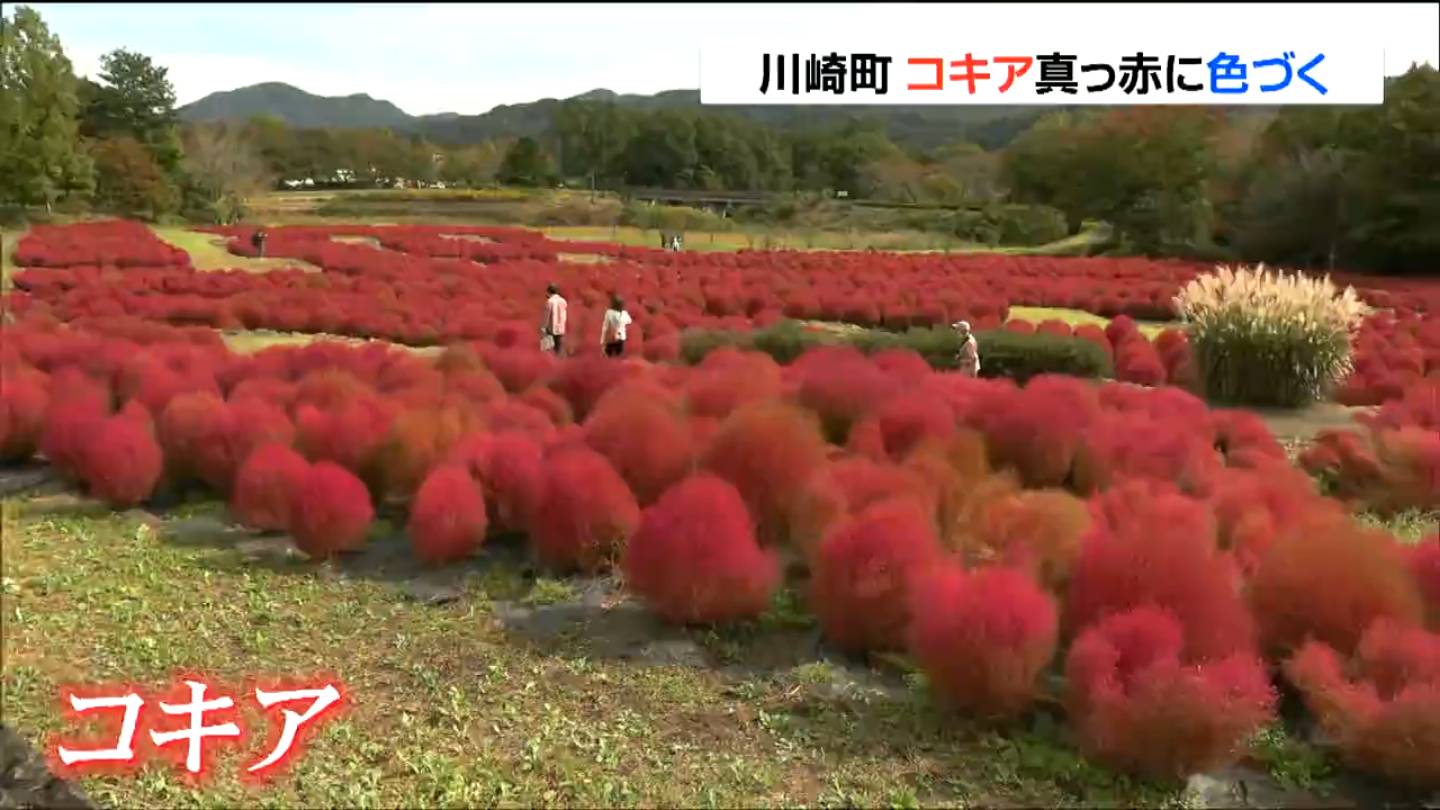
[(258, 240), (612, 328), (554, 324), (968, 358)]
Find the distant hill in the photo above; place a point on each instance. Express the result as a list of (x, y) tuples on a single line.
[(917, 126), (297, 108)]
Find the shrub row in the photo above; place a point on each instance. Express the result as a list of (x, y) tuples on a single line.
[(1154, 550)]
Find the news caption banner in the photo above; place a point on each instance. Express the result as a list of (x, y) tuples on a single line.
[(1296, 74), (123, 716)]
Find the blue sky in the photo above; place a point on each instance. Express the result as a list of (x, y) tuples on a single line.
[(466, 58)]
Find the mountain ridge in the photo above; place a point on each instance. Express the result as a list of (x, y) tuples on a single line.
[(916, 126)]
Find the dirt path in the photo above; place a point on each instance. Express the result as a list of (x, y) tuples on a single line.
[(1301, 425)]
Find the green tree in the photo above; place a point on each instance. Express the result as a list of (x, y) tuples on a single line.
[(276, 144), (42, 159), (1399, 198), (129, 181), (1143, 170), (1357, 188), (663, 152), (835, 159), (592, 136), (527, 164), (472, 165), (135, 98), (1293, 211)]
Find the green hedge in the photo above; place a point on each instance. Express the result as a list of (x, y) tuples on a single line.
[(1020, 357), (1002, 354)]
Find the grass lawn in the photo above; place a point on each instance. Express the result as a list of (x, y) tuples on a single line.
[(781, 238), (1077, 317), (451, 704), (251, 341), (207, 252)]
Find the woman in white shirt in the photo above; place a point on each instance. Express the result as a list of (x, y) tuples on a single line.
[(612, 329)]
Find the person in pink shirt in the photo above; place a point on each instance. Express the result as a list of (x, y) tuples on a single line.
[(554, 325)]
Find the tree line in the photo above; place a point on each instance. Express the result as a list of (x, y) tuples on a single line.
[(115, 143), (1352, 187)]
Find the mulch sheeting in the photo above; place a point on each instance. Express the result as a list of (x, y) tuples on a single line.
[(26, 781)]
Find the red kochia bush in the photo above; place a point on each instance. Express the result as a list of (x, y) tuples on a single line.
[(581, 381), (1137, 705), (1326, 578), (1250, 506), (243, 426), (447, 516), (1425, 565), (418, 440), (1243, 438), (68, 429), (75, 413), (554, 406), (122, 462), (1386, 721), (349, 435), (519, 368), (863, 572), (982, 639), (510, 414), (266, 486), (331, 511), (514, 479), (1136, 361), (904, 365), (1036, 531), (768, 451), (908, 419), (728, 379), (694, 558), (645, 439), (585, 514), (511, 468), (189, 421), (1039, 429), (1153, 546), (859, 482), (23, 401), (841, 385)]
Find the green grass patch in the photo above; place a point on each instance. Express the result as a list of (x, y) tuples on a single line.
[(1293, 763), (1410, 526), (208, 252), (251, 341)]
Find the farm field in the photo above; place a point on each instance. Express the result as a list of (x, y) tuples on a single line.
[(576, 215), (351, 457)]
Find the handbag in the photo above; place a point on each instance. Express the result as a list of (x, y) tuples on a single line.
[(547, 342)]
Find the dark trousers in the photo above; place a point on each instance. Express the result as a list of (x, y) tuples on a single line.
[(559, 343), (615, 348)]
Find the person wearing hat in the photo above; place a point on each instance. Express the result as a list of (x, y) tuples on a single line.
[(968, 358)]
